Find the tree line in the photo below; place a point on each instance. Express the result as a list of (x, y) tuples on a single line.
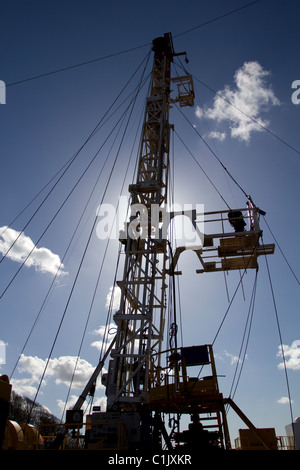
[(23, 410)]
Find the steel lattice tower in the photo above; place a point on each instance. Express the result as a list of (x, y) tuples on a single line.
[(141, 317)]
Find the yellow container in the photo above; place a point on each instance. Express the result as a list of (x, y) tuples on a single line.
[(249, 441), (14, 437), (32, 438)]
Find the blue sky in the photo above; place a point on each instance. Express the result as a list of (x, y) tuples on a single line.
[(250, 57)]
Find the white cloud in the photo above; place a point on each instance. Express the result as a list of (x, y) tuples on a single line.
[(284, 401), (98, 401), (26, 387), (233, 359), (106, 336), (60, 368), (113, 298), (218, 135), (71, 402), (251, 95), (291, 354), (33, 364), (17, 246), (199, 112)]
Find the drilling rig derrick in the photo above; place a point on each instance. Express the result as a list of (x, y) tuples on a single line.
[(143, 382), (140, 319)]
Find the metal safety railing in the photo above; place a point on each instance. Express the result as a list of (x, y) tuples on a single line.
[(85, 435), (283, 443)]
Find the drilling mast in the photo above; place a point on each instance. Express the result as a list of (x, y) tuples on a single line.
[(140, 384), (141, 317)]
